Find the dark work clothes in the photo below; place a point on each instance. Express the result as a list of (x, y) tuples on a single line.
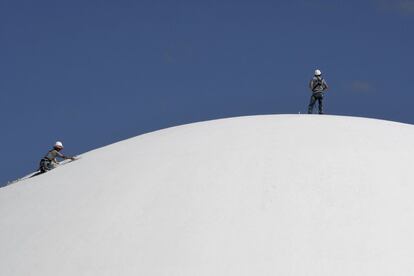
[(316, 97), (318, 86)]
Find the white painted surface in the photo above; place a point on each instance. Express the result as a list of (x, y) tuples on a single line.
[(264, 195)]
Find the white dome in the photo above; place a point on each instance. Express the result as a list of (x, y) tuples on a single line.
[(263, 195)]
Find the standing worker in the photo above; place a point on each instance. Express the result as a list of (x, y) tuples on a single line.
[(318, 86)]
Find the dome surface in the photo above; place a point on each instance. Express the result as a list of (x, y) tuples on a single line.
[(289, 195)]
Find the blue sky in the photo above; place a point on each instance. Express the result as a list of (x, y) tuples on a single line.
[(90, 73)]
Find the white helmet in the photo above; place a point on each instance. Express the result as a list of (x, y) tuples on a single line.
[(318, 72), (58, 144)]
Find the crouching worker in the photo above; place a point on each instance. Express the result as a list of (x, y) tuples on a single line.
[(50, 162)]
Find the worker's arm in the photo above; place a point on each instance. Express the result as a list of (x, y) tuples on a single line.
[(326, 87), (64, 156)]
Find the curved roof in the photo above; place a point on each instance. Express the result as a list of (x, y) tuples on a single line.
[(261, 195)]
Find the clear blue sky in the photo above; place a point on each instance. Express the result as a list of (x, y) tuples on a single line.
[(90, 73)]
